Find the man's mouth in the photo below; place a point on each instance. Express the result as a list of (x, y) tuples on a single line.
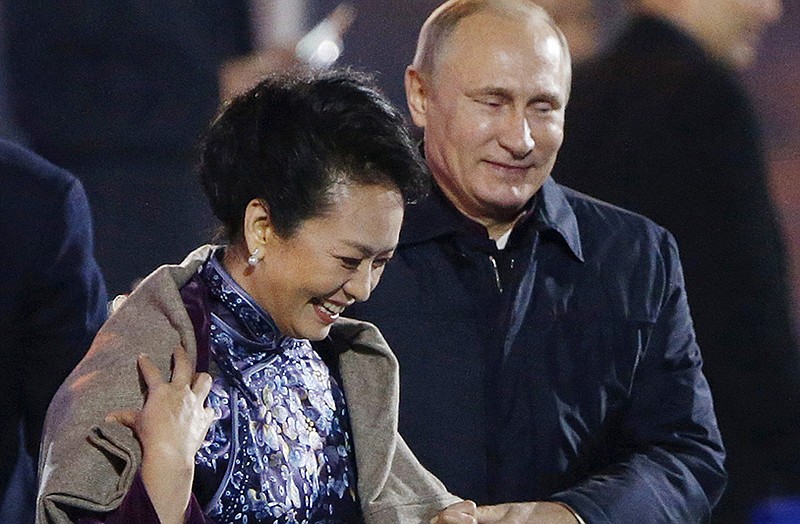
[(510, 167)]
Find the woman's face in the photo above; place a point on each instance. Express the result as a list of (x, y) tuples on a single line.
[(306, 281)]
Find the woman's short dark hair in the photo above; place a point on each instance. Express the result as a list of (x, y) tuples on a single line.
[(291, 138)]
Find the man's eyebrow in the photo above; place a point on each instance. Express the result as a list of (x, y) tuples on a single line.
[(506, 94), (546, 96), (491, 91)]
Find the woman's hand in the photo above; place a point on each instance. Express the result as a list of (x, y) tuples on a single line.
[(459, 513), (171, 427)]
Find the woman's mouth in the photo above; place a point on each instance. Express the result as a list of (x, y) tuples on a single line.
[(327, 311)]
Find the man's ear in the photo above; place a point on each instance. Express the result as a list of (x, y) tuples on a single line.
[(257, 227), (416, 96)]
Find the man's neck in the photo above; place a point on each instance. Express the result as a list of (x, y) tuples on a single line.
[(495, 228), (498, 229)]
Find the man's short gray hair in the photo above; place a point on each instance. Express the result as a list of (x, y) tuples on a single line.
[(444, 20)]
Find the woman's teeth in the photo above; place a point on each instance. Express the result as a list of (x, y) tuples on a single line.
[(331, 308)]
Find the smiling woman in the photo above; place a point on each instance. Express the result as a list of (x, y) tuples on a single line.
[(333, 260), (309, 176), (313, 210)]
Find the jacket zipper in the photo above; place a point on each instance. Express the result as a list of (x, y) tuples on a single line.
[(497, 281)]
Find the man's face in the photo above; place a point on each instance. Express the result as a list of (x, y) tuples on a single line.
[(732, 29), (493, 113)]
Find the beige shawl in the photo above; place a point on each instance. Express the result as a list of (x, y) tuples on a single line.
[(88, 465)]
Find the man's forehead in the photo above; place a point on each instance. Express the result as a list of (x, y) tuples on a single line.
[(521, 12), (480, 37), (526, 26)]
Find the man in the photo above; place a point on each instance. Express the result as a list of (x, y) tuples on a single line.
[(661, 125), (547, 356), (52, 300)]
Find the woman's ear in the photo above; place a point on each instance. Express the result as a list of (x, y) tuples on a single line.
[(257, 228)]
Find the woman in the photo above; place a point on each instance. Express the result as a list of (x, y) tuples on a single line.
[(309, 176)]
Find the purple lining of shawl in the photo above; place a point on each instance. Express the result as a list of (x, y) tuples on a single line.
[(195, 297)]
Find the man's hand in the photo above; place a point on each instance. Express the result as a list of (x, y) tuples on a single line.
[(526, 513), (459, 513)]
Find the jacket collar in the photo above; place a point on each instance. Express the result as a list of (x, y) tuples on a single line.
[(554, 213), (435, 217)]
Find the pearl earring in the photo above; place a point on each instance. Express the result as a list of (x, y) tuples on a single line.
[(253, 259)]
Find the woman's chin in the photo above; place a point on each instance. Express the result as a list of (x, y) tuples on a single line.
[(314, 330), (318, 334)]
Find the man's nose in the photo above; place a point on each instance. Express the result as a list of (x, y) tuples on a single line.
[(516, 137), (359, 287)]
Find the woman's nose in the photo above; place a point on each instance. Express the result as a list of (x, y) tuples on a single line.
[(359, 287)]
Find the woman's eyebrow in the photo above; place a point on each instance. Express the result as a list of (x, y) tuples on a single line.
[(367, 251)]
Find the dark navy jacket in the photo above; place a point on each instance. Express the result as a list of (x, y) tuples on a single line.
[(580, 382), (658, 126), (52, 296)]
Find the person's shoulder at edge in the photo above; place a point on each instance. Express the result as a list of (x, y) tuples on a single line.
[(46, 216), (24, 168)]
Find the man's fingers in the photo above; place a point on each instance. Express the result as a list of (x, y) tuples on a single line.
[(126, 417), (182, 367), (486, 514), (453, 517), (459, 513), (465, 506)]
